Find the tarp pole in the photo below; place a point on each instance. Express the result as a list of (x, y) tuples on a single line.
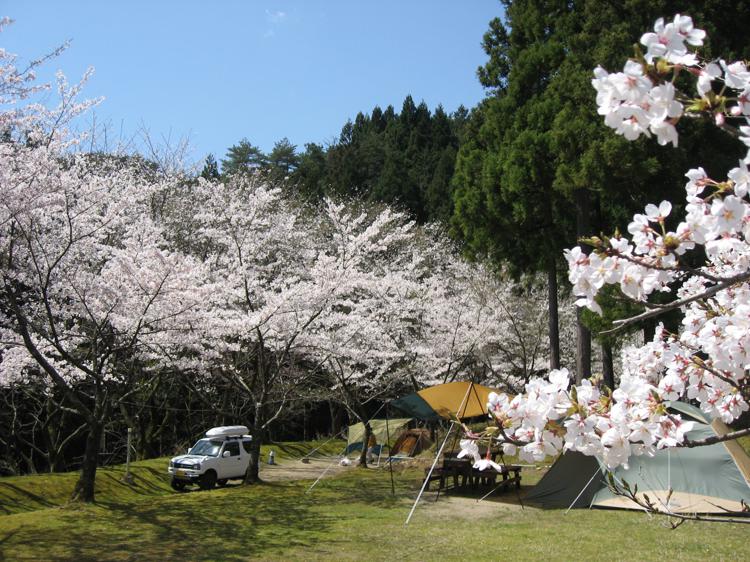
[(427, 478), (390, 456), (464, 404), (598, 470), (323, 474), (479, 400)]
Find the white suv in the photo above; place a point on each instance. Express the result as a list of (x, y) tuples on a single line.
[(222, 454)]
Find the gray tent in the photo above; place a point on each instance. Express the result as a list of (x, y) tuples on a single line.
[(710, 479)]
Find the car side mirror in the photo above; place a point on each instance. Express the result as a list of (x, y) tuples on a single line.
[(226, 454), (188, 451)]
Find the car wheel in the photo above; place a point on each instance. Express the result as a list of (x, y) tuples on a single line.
[(221, 482), (178, 485), (207, 481)]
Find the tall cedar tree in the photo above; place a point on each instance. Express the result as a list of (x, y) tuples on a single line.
[(537, 168)]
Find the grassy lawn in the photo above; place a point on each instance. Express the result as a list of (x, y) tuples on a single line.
[(353, 516)]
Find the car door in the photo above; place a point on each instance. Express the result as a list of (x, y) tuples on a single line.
[(231, 465), (246, 444)]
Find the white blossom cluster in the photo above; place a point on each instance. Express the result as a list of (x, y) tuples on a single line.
[(640, 100), (709, 359), (549, 418)]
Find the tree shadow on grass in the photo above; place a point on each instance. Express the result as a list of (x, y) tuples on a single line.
[(145, 480), (14, 499), (236, 524)]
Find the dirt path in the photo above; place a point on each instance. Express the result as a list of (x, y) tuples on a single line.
[(298, 470), (448, 505)]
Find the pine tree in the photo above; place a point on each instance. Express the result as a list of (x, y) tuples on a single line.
[(243, 157), (283, 160), (210, 168), (310, 174)]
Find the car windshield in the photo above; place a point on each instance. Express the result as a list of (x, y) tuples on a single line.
[(206, 447)]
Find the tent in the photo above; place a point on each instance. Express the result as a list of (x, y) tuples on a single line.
[(380, 429), (411, 442), (452, 400), (710, 479)]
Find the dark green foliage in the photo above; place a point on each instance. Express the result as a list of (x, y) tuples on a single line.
[(243, 157), (283, 160), (210, 169), (535, 150), (405, 159), (310, 174)]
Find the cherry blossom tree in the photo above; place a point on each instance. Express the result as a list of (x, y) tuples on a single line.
[(253, 244), (361, 343), (479, 322), (87, 278), (707, 359)]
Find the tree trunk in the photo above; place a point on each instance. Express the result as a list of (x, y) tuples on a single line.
[(365, 443), (608, 369), (252, 474), (583, 350), (554, 326), (583, 229), (649, 330), (337, 418), (84, 488)]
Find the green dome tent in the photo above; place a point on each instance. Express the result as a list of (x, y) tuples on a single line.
[(710, 479)]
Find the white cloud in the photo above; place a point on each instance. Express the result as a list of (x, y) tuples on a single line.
[(275, 17)]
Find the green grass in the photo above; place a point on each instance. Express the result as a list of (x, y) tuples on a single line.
[(34, 492), (350, 517)]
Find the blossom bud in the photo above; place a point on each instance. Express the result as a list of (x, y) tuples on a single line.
[(719, 118), (736, 110)]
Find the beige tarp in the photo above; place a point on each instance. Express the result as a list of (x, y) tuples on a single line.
[(379, 430)]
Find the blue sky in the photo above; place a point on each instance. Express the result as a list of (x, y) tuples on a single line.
[(218, 71)]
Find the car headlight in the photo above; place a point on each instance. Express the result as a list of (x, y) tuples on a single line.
[(197, 466)]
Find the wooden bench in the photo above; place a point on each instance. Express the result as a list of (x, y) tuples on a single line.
[(511, 474), (463, 474), (437, 474)]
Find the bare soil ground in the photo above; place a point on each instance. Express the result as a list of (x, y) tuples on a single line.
[(448, 504), (298, 470)]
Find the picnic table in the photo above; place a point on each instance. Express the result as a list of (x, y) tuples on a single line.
[(463, 474)]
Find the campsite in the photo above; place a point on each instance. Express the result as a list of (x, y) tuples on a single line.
[(350, 515), (312, 506), (424, 280)]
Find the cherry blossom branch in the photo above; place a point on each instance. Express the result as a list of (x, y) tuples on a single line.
[(708, 293), (731, 436), (645, 502)]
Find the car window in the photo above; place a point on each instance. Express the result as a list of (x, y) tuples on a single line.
[(246, 445), (233, 447), (206, 447)]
